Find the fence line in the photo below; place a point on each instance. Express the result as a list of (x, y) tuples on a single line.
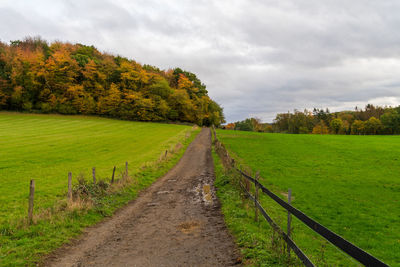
[(125, 176), (341, 243), (300, 254)]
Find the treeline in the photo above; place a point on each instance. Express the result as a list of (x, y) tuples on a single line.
[(77, 79), (370, 120)]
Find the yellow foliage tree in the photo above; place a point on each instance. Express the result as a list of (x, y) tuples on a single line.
[(320, 128)]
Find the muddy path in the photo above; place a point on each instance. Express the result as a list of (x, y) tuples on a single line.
[(175, 222)]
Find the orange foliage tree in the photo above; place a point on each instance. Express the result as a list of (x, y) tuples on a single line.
[(78, 79)]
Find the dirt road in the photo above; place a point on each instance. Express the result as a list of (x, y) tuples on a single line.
[(175, 222)]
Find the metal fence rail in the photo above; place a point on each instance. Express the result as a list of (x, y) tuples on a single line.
[(300, 254), (344, 245), (350, 249)]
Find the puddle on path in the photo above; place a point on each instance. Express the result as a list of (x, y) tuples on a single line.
[(207, 196), (203, 193)]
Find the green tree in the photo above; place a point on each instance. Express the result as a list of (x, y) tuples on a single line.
[(336, 125), (373, 126), (245, 125), (391, 121), (161, 88)]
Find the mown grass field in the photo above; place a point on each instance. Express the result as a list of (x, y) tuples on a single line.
[(351, 184), (46, 148)]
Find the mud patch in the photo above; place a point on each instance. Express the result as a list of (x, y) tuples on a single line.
[(189, 227)]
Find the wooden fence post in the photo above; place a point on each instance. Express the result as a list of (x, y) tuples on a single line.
[(112, 177), (256, 196), (31, 198), (247, 182), (289, 218), (126, 169), (166, 153), (69, 186), (94, 175), (215, 134)]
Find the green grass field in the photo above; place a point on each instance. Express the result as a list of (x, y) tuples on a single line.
[(46, 148), (351, 184)]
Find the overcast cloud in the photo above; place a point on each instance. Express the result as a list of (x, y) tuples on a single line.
[(257, 58)]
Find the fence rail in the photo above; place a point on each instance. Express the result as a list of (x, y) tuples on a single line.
[(300, 254), (350, 249)]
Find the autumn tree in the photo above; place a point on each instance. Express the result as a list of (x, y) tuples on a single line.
[(109, 104), (358, 127), (230, 126), (320, 128), (359, 121), (93, 80), (78, 79)]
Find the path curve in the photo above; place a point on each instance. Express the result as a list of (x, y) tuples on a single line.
[(175, 222)]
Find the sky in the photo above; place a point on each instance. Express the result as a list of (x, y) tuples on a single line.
[(257, 57)]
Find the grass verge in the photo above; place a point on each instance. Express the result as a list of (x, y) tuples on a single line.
[(259, 244)]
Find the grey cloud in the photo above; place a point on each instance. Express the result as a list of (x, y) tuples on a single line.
[(257, 57)]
